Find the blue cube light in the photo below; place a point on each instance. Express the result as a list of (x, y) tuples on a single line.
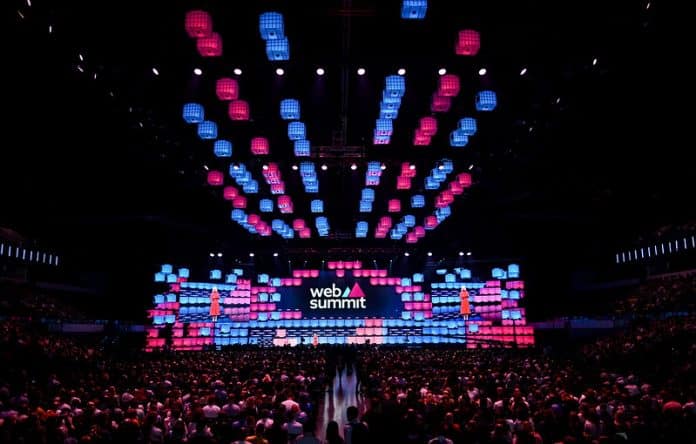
[(389, 101), (167, 269), (431, 183), (418, 201), (207, 130), (271, 26), (395, 86), (382, 140), (238, 215), (513, 271), (395, 235), (414, 9), (266, 205), (486, 101), (386, 113), (467, 126), (317, 206), (184, 273), (160, 277), (410, 220), (365, 206), (290, 109), (418, 278), (374, 166), (368, 195), (458, 138), (215, 274), (302, 148), (438, 175), (447, 166), (193, 113), (361, 226), (296, 131), (251, 187), (278, 49), (222, 148), (262, 278), (384, 127)]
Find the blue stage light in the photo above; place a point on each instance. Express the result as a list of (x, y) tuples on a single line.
[(222, 148), (271, 26), (467, 126), (207, 130), (193, 113), (290, 109), (486, 101)]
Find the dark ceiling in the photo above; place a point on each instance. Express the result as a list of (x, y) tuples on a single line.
[(575, 160)]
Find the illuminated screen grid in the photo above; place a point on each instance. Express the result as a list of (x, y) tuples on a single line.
[(338, 306)]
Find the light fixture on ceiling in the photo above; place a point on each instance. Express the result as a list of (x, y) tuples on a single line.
[(468, 253), (361, 71), (353, 166), (197, 71), (523, 71), (383, 167), (280, 71), (442, 71), (155, 71), (219, 254), (294, 167), (324, 167), (212, 254), (407, 254), (320, 71), (594, 61), (237, 72), (265, 167), (275, 254), (251, 254), (482, 71), (430, 253), (401, 72), (412, 167), (461, 253)]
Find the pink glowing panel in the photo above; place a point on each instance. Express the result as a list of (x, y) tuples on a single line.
[(348, 265), (239, 202), (464, 179), (440, 202), (430, 222), (456, 188), (380, 234), (448, 196), (411, 238), (340, 273), (238, 110), (440, 104), (420, 138), (296, 282), (253, 219), (298, 224), (229, 193), (382, 281), (357, 264), (403, 183), (227, 89), (373, 281), (305, 233), (428, 126), (297, 314), (339, 265), (215, 178), (385, 221), (305, 273), (392, 281), (259, 146), (357, 273), (210, 46), (278, 188), (296, 273), (331, 265), (419, 231), (382, 273), (314, 273), (284, 201), (449, 85), (468, 43), (198, 24), (394, 205)]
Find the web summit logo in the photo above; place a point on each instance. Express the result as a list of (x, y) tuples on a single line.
[(333, 297)]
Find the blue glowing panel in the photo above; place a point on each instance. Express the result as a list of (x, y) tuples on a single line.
[(486, 101), (381, 140), (414, 9), (193, 113), (271, 26), (215, 274), (418, 278), (171, 278), (296, 131), (266, 205), (290, 109), (497, 273), (418, 201), (251, 187), (238, 215), (385, 113), (395, 86), (384, 127), (278, 49), (438, 175), (263, 278), (467, 126), (184, 273), (513, 271), (431, 183), (207, 130), (365, 206), (361, 226), (410, 220), (390, 102), (458, 138), (368, 195), (160, 277), (167, 269), (302, 148), (222, 148), (317, 206)]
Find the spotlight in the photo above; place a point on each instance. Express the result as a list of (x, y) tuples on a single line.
[(401, 72), (280, 71), (235, 167), (324, 167), (265, 167), (82, 59), (468, 253), (361, 71), (482, 71), (471, 167), (353, 166), (156, 72), (430, 253), (197, 71), (237, 72), (219, 254), (442, 71), (275, 254), (412, 167), (251, 254), (594, 61), (440, 167), (461, 253), (294, 167), (205, 167), (407, 254), (383, 167), (212, 254), (523, 72), (320, 71)]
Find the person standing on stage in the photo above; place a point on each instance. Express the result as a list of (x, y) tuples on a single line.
[(215, 304), (464, 307)]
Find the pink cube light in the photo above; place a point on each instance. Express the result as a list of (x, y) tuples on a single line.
[(227, 89), (298, 224), (430, 222), (420, 231), (210, 46), (440, 104), (428, 126), (259, 146), (394, 205), (253, 219), (198, 24), (215, 178), (468, 42), (464, 179), (229, 193), (411, 238), (403, 183), (238, 110), (239, 202), (449, 85), (305, 233), (340, 273), (421, 139)]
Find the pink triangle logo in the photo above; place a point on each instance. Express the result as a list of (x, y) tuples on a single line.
[(356, 292)]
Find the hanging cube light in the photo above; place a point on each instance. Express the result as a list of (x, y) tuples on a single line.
[(456, 188), (365, 206), (403, 183), (421, 139), (210, 46), (259, 146), (486, 101), (410, 220), (431, 183), (362, 227), (238, 215), (411, 238), (438, 174), (430, 222), (317, 206), (239, 202), (277, 50), (301, 148), (207, 130), (193, 113), (468, 42), (417, 201), (298, 224), (215, 178), (395, 86), (386, 113), (238, 110), (464, 179), (368, 194), (289, 109), (447, 166), (448, 85), (371, 181), (278, 188), (414, 9), (251, 187), (389, 101), (428, 126), (253, 219), (458, 138), (271, 26), (296, 131), (394, 205), (419, 231), (384, 127), (305, 233), (467, 126), (222, 148), (440, 104), (381, 140), (284, 202), (229, 193), (198, 24), (227, 89)]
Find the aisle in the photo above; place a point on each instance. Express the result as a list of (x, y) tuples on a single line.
[(336, 400)]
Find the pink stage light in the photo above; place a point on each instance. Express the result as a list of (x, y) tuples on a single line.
[(215, 178), (456, 188), (440, 104), (394, 205), (464, 179), (284, 202), (253, 219), (428, 126), (210, 46), (468, 43), (229, 193), (357, 273), (430, 222), (259, 146), (238, 110), (449, 85), (227, 89), (314, 273), (198, 24), (278, 188), (298, 224), (403, 183), (340, 273), (305, 233), (348, 265), (357, 264), (411, 238), (421, 139), (420, 231), (382, 273), (385, 222), (239, 202)]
